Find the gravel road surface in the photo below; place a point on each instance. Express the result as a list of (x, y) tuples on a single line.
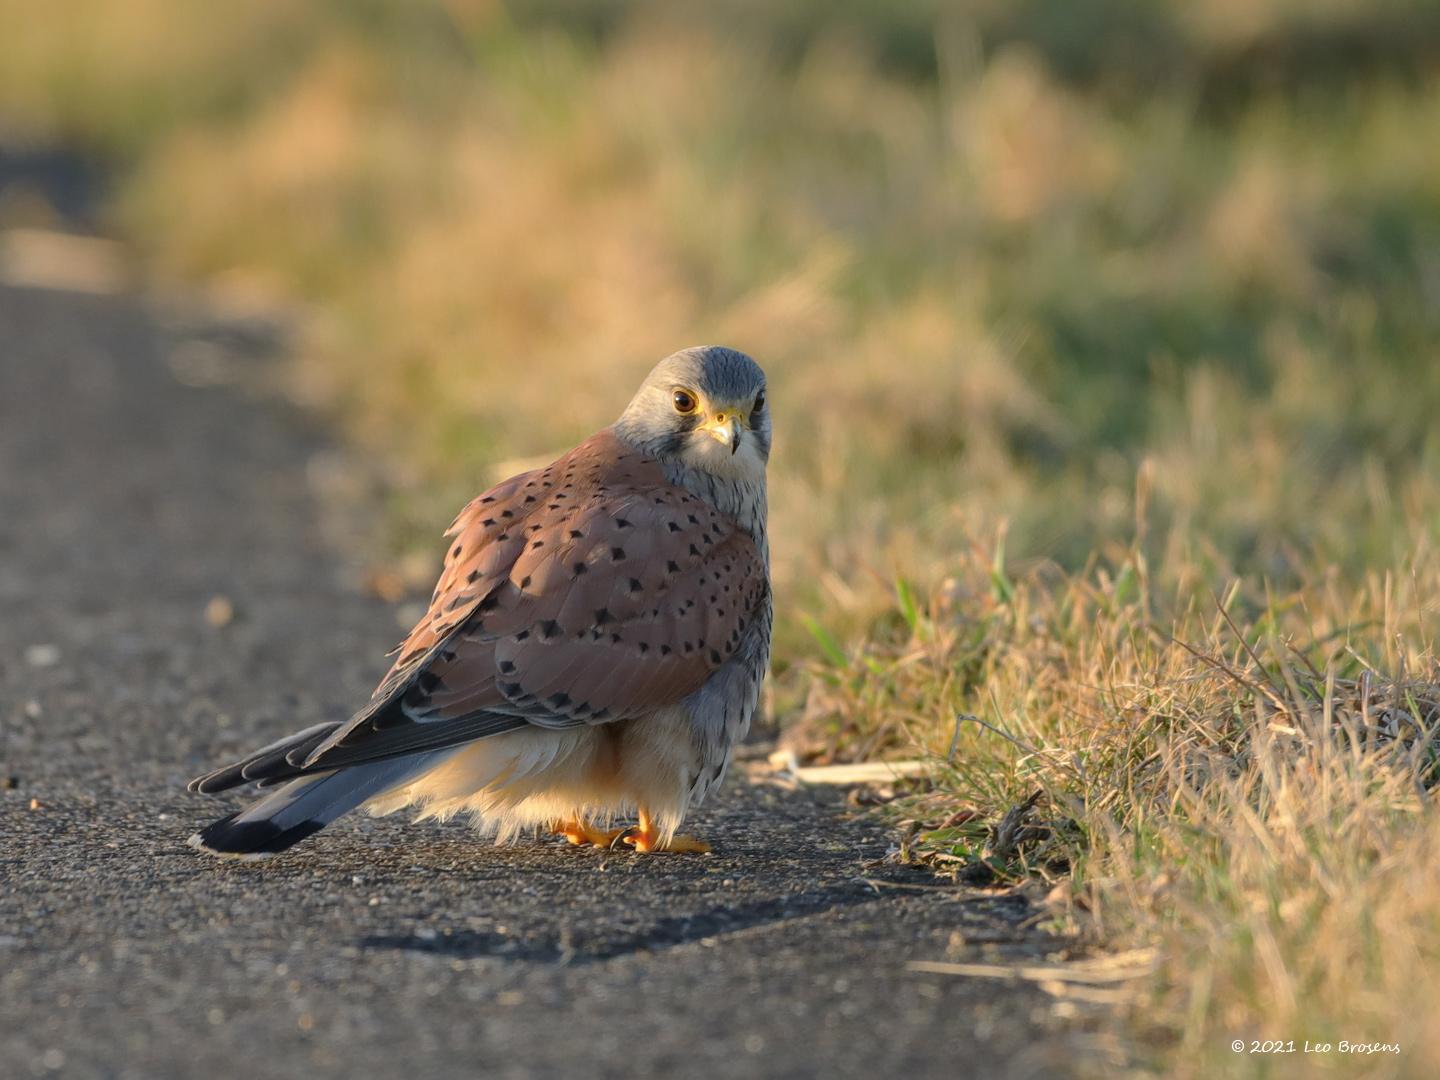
[(130, 499)]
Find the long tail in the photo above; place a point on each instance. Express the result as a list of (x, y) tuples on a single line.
[(305, 806)]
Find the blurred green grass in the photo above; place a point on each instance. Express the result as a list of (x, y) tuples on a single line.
[(995, 255)]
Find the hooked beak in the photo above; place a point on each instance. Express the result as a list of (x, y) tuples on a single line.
[(725, 429)]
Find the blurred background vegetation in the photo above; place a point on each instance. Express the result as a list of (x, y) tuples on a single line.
[(993, 254), (1075, 313)]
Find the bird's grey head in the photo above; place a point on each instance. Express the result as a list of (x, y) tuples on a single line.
[(705, 408)]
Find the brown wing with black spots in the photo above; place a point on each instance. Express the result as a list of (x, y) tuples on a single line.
[(585, 592)]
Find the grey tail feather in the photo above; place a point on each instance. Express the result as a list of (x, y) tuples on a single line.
[(305, 806), (266, 766)]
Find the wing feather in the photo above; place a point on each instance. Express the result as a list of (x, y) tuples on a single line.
[(589, 591)]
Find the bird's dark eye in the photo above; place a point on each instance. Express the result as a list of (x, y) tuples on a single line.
[(684, 401), (759, 403)]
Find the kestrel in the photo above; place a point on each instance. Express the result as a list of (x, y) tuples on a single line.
[(594, 647)]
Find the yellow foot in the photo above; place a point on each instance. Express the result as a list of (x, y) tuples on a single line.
[(577, 832), (650, 842), (645, 837)]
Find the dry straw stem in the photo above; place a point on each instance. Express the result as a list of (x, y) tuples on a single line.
[(1115, 967)]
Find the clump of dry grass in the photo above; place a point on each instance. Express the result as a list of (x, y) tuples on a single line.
[(1244, 781)]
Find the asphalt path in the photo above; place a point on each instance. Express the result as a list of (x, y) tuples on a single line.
[(130, 499)]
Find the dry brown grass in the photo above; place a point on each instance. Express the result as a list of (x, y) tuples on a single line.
[(1244, 782)]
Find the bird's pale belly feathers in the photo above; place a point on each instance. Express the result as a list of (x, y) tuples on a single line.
[(532, 778)]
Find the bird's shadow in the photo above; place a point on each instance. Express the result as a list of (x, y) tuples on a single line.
[(578, 945)]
